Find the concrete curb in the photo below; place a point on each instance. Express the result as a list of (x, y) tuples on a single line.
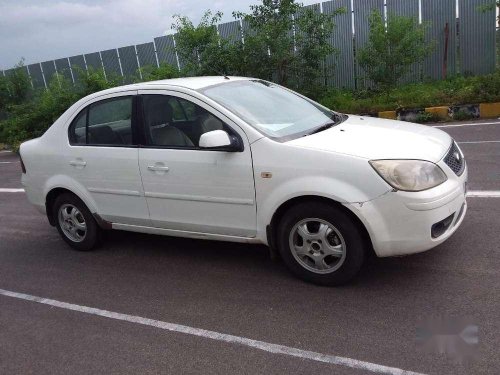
[(458, 112)]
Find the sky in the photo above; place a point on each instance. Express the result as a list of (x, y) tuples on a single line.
[(41, 30)]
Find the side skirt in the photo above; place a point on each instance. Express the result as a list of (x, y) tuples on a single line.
[(185, 234)]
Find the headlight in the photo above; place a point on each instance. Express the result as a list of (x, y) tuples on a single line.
[(409, 175)]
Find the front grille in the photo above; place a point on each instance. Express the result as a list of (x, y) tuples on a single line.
[(455, 160)]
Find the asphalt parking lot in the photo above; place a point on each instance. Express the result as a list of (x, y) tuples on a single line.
[(151, 304)]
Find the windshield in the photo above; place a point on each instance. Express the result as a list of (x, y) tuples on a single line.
[(275, 111)]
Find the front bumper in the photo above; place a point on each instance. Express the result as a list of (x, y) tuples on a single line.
[(399, 223)]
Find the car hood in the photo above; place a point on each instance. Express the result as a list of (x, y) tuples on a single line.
[(374, 138)]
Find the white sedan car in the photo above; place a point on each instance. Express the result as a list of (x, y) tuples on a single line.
[(245, 160)]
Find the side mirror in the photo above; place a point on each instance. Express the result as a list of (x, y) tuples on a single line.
[(219, 140)]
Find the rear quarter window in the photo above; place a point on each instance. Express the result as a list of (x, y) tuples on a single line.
[(77, 129)]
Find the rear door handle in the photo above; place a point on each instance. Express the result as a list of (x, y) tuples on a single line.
[(78, 163)]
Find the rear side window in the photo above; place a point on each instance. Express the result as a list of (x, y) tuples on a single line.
[(105, 123)]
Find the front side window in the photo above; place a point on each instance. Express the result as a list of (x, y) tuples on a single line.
[(175, 122), (276, 112), (104, 123)]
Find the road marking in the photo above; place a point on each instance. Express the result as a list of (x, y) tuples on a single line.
[(466, 142), (6, 190), (260, 345), (4, 151), (484, 194), (469, 124), (8, 162)]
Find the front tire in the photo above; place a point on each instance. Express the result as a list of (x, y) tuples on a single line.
[(320, 243), (75, 223)]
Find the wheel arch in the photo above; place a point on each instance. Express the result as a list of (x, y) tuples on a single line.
[(50, 198), (271, 229), (56, 191)]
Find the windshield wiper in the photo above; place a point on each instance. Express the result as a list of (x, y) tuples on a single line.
[(337, 119), (322, 127)]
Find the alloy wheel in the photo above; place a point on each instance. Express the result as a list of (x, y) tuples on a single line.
[(317, 245)]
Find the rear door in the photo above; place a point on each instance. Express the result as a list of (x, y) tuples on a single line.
[(188, 188), (103, 158)]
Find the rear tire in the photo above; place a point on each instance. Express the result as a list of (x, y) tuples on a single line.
[(320, 243), (75, 223)]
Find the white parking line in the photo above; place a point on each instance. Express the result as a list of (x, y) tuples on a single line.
[(484, 194), (8, 162), (6, 190), (468, 124), (472, 142), (4, 151), (260, 345)]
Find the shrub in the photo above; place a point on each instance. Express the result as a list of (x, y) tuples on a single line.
[(14, 89), (153, 73), (462, 115), (32, 118), (93, 80), (392, 50), (454, 91), (424, 117)]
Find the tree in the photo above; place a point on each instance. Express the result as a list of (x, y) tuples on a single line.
[(312, 31), (273, 51), (200, 49), (282, 42), (392, 50)]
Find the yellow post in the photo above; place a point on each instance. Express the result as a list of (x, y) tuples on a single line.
[(488, 110)]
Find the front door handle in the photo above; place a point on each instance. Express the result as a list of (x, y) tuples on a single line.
[(157, 168)]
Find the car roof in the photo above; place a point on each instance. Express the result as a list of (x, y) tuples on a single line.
[(193, 83)]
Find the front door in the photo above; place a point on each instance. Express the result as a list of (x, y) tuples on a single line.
[(188, 188)]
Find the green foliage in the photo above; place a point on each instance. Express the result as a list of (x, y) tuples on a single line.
[(424, 117), (271, 50), (93, 80), (392, 50), (29, 113), (30, 119), (4, 96), (462, 115), (31, 116), (200, 50), (270, 38), (16, 88), (488, 7), (312, 46), (153, 73), (453, 91), (274, 52)]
